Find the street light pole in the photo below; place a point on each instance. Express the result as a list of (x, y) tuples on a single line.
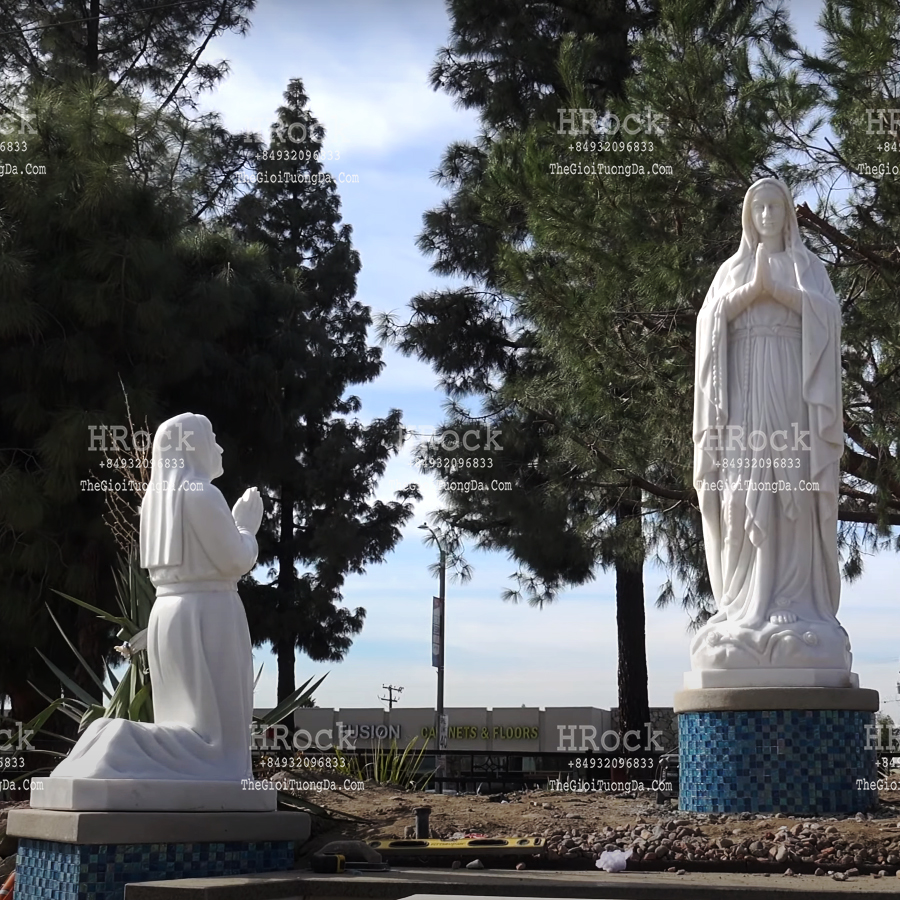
[(439, 735), (439, 788)]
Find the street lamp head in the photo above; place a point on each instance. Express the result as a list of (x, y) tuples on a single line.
[(438, 538)]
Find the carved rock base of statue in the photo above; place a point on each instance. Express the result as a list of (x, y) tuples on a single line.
[(788, 654), (801, 751), (94, 855), (129, 794)]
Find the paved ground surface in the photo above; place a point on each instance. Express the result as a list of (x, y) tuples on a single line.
[(582, 885)]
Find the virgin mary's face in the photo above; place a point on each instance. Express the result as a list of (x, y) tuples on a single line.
[(768, 212)]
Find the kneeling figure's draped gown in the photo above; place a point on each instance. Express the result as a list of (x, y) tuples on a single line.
[(198, 642)]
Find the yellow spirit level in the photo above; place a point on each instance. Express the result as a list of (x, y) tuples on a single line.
[(487, 846)]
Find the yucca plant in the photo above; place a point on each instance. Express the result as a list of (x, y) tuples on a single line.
[(390, 766), (130, 697), (349, 766), (387, 766)]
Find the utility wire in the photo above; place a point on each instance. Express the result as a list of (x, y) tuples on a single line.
[(105, 16)]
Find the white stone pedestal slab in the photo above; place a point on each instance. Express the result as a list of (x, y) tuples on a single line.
[(156, 827), (131, 795), (765, 677), (747, 698)]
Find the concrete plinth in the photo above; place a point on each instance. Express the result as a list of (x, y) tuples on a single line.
[(801, 751), (129, 794), (703, 679), (157, 827), (861, 699), (93, 855)]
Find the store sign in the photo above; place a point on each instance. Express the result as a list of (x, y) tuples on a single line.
[(482, 732), (369, 732)]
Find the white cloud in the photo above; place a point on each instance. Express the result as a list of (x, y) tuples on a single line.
[(369, 89)]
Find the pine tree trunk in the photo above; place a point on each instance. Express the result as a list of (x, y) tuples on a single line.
[(92, 44), (634, 704), (286, 659), (285, 647)]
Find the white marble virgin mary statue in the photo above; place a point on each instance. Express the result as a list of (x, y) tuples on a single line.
[(768, 438), (196, 753)]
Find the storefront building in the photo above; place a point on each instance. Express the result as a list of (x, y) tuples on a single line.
[(503, 729), (484, 743)]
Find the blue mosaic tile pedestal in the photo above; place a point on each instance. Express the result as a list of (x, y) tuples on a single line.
[(795, 761), (48, 870), (73, 855)]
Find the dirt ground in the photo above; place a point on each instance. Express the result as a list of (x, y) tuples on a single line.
[(530, 814), (577, 828), (596, 819)]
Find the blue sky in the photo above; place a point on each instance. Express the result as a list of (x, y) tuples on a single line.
[(365, 65)]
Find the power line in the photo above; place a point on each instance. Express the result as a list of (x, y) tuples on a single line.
[(103, 17)]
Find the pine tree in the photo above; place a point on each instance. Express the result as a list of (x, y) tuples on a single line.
[(320, 463), (616, 267), (105, 270), (503, 60), (857, 83), (100, 280), (154, 49), (137, 51)]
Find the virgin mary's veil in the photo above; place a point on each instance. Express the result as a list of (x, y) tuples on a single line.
[(738, 270)]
